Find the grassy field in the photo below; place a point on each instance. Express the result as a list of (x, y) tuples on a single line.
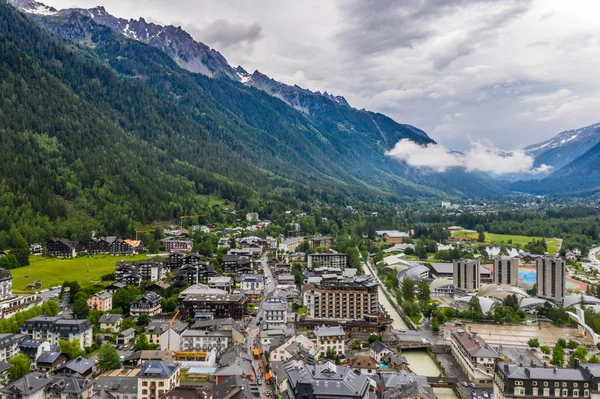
[(496, 239), (53, 271)]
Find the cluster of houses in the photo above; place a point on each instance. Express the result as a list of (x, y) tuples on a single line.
[(112, 245)]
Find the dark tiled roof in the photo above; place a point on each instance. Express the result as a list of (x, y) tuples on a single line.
[(110, 318), (79, 365), (514, 371), (28, 385), (157, 368), (236, 387), (48, 357)]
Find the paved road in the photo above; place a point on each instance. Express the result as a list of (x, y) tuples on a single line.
[(254, 328), (593, 255)]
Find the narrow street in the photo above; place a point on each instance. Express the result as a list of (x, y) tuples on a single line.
[(253, 333)]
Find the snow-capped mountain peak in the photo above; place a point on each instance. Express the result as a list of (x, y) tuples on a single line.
[(33, 7)]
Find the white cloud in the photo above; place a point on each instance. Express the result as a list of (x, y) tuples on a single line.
[(482, 157)]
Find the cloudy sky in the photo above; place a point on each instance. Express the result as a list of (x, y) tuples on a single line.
[(509, 72)]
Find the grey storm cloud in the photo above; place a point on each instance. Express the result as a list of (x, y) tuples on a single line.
[(224, 33), (376, 26)]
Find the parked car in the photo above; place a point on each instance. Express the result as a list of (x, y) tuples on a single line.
[(401, 330), (472, 385), (491, 395), (473, 394), (465, 384), (259, 381)]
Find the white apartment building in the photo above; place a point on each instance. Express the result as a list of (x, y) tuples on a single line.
[(54, 329), (275, 313), (290, 347), (9, 345), (252, 282), (205, 340), (330, 338), (156, 378), (474, 356)]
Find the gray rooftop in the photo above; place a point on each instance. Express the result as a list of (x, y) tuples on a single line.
[(110, 318), (125, 385), (330, 380), (157, 368), (333, 331), (48, 357), (513, 371)]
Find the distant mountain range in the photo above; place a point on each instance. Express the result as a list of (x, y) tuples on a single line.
[(574, 156), (270, 135)]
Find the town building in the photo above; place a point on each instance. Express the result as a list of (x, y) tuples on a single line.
[(365, 365), (166, 334), (523, 381), (101, 301), (61, 248), (33, 348), (125, 337), (10, 345), (342, 299), (5, 284), (111, 322), (205, 340), (252, 282), (506, 270), (378, 350), (290, 244), (78, 367), (237, 264), (327, 260), (330, 338), (100, 245), (316, 242), (474, 356), (151, 270), (220, 282), (156, 378), (550, 278), (275, 313), (293, 346), (326, 381), (234, 387), (148, 304), (54, 329), (126, 247), (466, 278), (392, 236), (176, 244), (49, 361), (221, 305)]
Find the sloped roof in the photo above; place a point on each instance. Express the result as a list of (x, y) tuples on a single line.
[(28, 385), (157, 368), (110, 318), (364, 362)]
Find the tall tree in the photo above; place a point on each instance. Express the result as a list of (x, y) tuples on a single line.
[(71, 348), (20, 366), (408, 288), (108, 358)]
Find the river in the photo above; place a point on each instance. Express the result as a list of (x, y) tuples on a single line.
[(421, 364), (391, 311)]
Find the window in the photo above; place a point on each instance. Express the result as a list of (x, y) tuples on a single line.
[(556, 384), (586, 393), (565, 385), (546, 391), (545, 383), (144, 383), (518, 382), (565, 392), (535, 391), (519, 391), (161, 384), (534, 383), (574, 384), (586, 385), (575, 393)]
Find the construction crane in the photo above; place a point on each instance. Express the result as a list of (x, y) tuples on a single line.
[(187, 217), (169, 334), (142, 231)]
